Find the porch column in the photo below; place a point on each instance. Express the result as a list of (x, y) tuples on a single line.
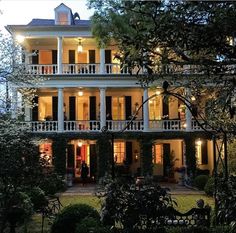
[(145, 110), (103, 106), (27, 113), (188, 114), (14, 103), (59, 55), (102, 61), (60, 114)]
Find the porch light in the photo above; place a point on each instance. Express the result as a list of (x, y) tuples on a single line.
[(80, 144), (80, 47), (20, 38), (184, 125), (136, 155), (80, 93)]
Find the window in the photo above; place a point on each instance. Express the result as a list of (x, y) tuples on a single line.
[(155, 108), (63, 18), (119, 152), (157, 154), (118, 112), (45, 150), (198, 146)]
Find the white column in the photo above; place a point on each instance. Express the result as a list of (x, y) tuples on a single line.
[(102, 107), (145, 111), (14, 103), (60, 114), (188, 114), (102, 61), (59, 55), (27, 113)]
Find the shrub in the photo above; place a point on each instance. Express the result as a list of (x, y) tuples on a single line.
[(89, 224), (209, 187), (200, 181), (70, 216), (38, 198), (52, 184), (123, 203)]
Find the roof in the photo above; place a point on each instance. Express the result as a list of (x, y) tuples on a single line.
[(51, 22)]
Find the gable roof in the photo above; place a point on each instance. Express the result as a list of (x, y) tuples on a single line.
[(62, 4)]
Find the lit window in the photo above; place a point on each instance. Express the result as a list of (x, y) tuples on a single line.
[(157, 154), (63, 18), (45, 150), (119, 152), (198, 146), (155, 108), (118, 108)]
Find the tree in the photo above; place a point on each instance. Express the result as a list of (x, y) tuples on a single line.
[(14, 74), (24, 175), (164, 38)]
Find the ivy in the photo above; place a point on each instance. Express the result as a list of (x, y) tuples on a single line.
[(146, 157), (103, 151), (59, 155)]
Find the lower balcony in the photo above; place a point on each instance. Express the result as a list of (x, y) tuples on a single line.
[(114, 126)]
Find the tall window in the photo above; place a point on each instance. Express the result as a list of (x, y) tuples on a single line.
[(155, 108), (198, 146), (119, 152), (157, 154), (118, 112)]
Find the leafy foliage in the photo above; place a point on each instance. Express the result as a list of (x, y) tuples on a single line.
[(227, 202), (13, 74), (209, 187), (21, 174), (124, 204), (200, 181), (197, 36), (71, 215)]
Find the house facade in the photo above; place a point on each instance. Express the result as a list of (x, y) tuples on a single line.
[(86, 90)]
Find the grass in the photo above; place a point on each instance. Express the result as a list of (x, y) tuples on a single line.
[(185, 203)]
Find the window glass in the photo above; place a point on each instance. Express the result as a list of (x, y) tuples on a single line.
[(45, 150), (119, 152), (157, 154), (155, 108), (63, 18), (118, 112)]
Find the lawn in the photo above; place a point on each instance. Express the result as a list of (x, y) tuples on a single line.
[(185, 203)]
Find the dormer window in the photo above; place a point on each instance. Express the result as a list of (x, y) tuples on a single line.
[(63, 15), (63, 18)]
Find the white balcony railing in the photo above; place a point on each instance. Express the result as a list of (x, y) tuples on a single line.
[(115, 68), (80, 68), (42, 69), (166, 125), (114, 126)]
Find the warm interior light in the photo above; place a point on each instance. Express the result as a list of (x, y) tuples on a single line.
[(199, 142), (193, 98), (80, 144), (158, 92), (20, 38), (184, 125), (80, 93), (80, 47)]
